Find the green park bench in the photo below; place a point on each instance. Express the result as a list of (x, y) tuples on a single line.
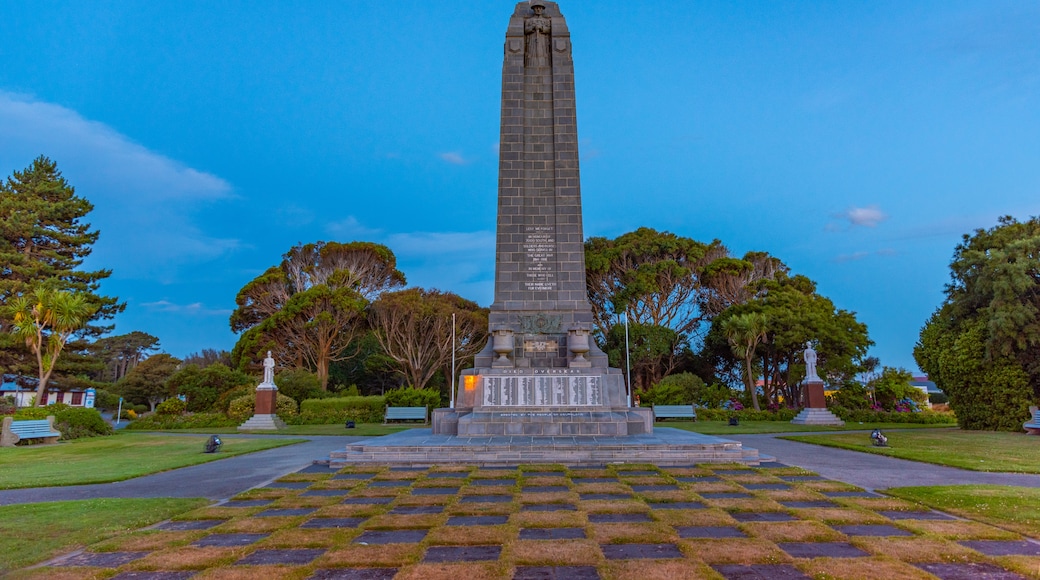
[(406, 414), (674, 412), (1033, 427), (14, 431)]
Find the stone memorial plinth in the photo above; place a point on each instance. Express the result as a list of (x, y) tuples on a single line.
[(541, 390), (815, 411)]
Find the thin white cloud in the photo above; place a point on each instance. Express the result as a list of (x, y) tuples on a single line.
[(440, 243), (194, 309), (857, 256), (454, 158), (869, 216), (143, 200), (349, 229)]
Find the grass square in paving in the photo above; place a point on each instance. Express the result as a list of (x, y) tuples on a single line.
[(189, 525), (552, 534), (822, 550), (288, 485), (968, 571), (1003, 548), (280, 557), (331, 523), (374, 537), (355, 574), (391, 483), (228, 540), (871, 530), (709, 532), (760, 572), (444, 554), (477, 520), (556, 573), (640, 551)]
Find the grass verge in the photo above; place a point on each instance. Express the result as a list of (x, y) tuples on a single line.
[(753, 427), (114, 458), (974, 450), (32, 533), (362, 430), (1012, 508)]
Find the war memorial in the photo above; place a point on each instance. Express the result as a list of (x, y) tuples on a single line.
[(541, 390)]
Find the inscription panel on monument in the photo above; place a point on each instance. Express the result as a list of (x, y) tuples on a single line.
[(540, 258), (542, 391)]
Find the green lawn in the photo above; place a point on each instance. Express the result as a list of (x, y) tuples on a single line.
[(974, 450), (114, 458), (1012, 508), (752, 427), (362, 430), (32, 533)]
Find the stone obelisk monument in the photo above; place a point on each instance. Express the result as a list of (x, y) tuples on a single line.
[(540, 373)]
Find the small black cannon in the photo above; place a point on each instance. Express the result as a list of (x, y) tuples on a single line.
[(213, 445), (733, 421), (878, 438), (351, 424)]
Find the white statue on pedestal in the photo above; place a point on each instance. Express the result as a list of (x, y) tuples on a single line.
[(268, 371), (810, 364)]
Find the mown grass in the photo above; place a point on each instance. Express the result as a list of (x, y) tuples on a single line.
[(1012, 508), (753, 427), (114, 458), (361, 430), (974, 450), (32, 533)]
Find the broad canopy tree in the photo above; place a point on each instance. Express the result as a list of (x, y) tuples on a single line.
[(414, 328), (147, 382), (310, 309), (982, 345)]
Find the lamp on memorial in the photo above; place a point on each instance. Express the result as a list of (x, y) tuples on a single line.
[(469, 382)]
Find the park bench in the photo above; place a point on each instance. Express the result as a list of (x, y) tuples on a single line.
[(674, 412), (1033, 427), (14, 431), (406, 414)]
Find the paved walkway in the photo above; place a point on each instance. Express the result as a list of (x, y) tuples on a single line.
[(217, 480), (220, 480), (871, 471)]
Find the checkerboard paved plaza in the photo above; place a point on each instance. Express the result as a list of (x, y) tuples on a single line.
[(528, 522)]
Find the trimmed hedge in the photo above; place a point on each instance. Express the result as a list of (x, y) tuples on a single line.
[(193, 421), (746, 415), (409, 397), (868, 416), (340, 410), (173, 407), (76, 422)]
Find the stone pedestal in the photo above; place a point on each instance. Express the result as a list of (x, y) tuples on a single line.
[(815, 411), (264, 415)]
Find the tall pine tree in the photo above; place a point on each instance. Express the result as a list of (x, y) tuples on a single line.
[(43, 238)]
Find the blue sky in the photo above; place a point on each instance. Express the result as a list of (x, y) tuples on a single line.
[(857, 141)]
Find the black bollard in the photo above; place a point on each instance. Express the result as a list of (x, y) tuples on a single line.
[(733, 422), (350, 425)]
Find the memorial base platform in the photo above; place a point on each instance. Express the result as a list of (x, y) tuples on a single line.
[(665, 447)]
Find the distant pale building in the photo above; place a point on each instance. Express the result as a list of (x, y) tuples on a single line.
[(23, 391)]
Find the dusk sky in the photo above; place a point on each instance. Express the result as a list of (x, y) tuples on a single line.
[(856, 141)]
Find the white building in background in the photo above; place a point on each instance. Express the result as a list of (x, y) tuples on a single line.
[(23, 391)]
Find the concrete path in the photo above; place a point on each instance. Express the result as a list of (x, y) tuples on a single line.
[(220, 480), (871, 471), (216, 480)]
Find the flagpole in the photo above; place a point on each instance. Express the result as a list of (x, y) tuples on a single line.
[(453, 360), (628, 362)]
